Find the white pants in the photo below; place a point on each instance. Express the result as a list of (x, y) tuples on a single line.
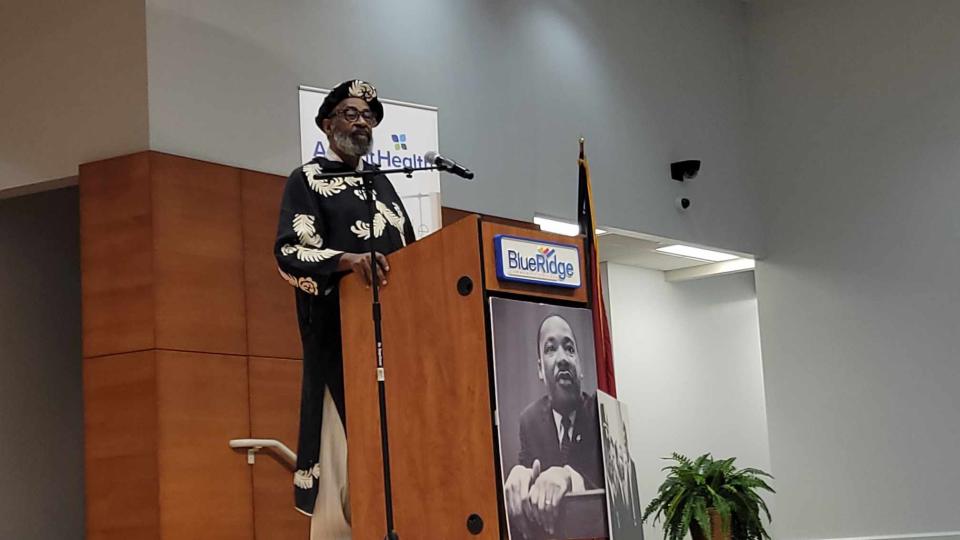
[(331, 512)]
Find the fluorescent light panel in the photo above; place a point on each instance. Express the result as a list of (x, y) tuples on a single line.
[(560, 227), (691, 252)]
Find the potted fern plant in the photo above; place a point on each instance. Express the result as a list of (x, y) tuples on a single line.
[(712, 499)]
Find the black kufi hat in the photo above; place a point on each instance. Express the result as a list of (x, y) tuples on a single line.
[(354, 88)]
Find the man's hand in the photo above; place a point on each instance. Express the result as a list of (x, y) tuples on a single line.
[(360, 264), (515, 491), (543, 501)]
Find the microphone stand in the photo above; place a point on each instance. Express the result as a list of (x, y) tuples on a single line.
[(367, 177)]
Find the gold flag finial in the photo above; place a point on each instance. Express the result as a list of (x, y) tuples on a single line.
[(582, 140)]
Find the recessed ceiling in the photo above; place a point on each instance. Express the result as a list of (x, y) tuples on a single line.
[(633, 251)]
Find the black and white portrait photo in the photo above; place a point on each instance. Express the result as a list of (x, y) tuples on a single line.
[(549, 432), (623, 497)]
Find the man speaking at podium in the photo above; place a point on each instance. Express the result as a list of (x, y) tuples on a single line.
[(324, 233), (559, 435)]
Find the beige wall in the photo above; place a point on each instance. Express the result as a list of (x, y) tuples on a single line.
[(74, 86)]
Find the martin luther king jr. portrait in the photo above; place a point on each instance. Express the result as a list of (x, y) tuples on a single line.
[(546, 401)]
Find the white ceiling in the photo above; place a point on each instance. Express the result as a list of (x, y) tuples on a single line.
[(636, 249), (633, 251)]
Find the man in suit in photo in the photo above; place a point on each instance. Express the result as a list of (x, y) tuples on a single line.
[(627, 513), (559, 435), (623, 495)]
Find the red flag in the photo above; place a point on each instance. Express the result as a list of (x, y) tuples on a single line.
[(601, 327)]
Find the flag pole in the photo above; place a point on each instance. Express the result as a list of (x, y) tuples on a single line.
[(592, 273)]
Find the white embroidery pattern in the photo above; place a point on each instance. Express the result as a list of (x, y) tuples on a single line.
[(362, 228), (313, 250), (314, 255), (303, 226), (363, 90), (327, 187), (311, 169), (303, 478), (379, 224), (397, 220), (362, 194), (394, 217)]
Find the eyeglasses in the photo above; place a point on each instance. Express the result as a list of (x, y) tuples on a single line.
[(352, 115)]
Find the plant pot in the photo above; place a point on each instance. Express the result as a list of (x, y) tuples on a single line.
[(715, 523)]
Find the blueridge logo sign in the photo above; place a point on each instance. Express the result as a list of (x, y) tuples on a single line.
[(532, 261)]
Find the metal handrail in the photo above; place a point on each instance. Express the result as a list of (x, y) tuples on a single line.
[(255, 445)]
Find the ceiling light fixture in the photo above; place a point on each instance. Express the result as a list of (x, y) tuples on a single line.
[(560, 227), (691, 252)]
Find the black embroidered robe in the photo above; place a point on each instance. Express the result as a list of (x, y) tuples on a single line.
[(320, 219)]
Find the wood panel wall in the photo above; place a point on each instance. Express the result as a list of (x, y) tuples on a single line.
[(189, 340)]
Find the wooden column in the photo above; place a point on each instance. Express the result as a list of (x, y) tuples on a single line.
[(188, 335)]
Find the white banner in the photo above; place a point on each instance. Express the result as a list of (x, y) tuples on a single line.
[(407, 132)]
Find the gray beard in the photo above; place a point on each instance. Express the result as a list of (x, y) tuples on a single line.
[(351, 147)]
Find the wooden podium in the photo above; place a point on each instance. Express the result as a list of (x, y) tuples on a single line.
[(439, 389)]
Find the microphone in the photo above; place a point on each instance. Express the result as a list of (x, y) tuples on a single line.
[(446, 164)]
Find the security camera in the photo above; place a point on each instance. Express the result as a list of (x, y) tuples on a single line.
[(682, 203), (684, 170)]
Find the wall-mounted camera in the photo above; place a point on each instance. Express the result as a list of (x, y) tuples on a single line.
[(682, 203), (684, 170)]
